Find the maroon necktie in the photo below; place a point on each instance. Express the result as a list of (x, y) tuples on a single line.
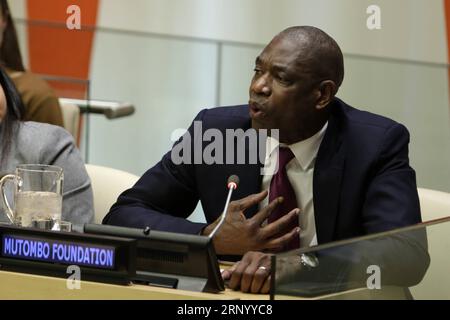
[(281, 187)]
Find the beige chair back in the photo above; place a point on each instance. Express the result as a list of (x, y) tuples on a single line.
[(71, 118), (434, 204), (436, 283), (107, 185)]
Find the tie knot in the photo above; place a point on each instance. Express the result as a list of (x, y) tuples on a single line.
[(284, 155)]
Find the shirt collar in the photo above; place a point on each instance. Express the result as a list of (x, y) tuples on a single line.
[(305, 151)]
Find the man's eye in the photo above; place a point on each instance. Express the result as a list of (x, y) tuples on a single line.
[(257, 71), (283, 79)]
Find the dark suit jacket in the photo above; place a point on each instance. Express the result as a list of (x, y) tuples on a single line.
[(362, 179)]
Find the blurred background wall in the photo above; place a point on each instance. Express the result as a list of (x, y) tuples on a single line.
[(171, 58)]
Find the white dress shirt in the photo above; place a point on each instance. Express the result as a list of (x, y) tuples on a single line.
[(300, 171)]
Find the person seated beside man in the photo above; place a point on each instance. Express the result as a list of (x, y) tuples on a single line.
[(27, 142)]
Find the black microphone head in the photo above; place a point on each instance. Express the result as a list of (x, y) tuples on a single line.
[(233, 181)]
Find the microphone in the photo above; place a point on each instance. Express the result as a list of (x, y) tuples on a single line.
[(232, 184)]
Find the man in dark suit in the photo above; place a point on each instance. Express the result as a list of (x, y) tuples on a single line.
[(346, 172)]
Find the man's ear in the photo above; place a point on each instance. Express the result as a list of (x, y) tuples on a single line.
[(326, 91)]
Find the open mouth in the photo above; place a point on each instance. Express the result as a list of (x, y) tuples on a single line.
[(256, 110)]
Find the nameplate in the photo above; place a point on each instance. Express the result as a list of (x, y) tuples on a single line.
[(71, 253), (100, 258)]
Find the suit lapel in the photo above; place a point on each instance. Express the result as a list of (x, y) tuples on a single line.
[(250, 183), (327, 179)]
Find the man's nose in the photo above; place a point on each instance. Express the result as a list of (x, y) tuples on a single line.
[(261, 85)]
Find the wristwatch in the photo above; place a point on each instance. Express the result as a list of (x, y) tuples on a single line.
[(309, 260)]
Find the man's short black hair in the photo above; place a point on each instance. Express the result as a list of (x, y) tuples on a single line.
[(320, 50)]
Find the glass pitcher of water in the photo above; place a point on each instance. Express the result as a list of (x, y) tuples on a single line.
[(37, 195)]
